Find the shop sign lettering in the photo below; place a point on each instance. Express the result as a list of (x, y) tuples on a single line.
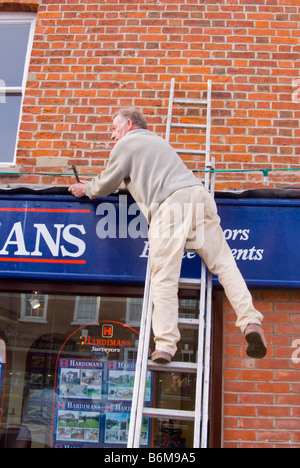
[(107, 343), (58, 242), (90, 341)]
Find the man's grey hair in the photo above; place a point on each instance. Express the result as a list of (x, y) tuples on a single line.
[(133, 114)]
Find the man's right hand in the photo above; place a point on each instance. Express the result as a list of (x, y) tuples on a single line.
[(78, 190)]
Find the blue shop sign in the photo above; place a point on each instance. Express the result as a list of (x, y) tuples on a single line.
[(60, 238)]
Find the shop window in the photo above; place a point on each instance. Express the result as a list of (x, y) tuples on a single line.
[(16, 38), (69, 385)]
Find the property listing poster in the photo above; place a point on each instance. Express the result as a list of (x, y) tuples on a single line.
[(93, 404)]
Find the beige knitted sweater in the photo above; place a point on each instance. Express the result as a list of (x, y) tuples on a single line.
[(150, 168)]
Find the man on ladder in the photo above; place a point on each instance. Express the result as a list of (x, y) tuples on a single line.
[(171, 198)]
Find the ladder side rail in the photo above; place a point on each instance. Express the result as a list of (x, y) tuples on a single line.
[(208, 134), (199, 380), (170, 110), (139, 360), (207, 362), (143, 377), (145, 330), (213, 178), (202, 395), (207, 350)]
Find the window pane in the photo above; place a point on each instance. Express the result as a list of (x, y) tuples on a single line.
[(9, 119), (13, 48)]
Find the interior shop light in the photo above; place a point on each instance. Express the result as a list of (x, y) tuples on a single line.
[(34, 301)]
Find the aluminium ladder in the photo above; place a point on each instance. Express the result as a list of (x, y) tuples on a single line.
[(203, 323)]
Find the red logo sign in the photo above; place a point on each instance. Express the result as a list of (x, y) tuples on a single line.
[(107, 331)]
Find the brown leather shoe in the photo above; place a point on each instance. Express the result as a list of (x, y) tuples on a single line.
[(161, 357), (257, 347)]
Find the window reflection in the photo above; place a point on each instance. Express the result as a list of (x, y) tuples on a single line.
[(9, 123), (12, 56), (67, 374)]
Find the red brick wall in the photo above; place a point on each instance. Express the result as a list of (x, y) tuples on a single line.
[(262, 398), (89, 58)]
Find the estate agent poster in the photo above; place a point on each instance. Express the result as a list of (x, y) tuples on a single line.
[(93, 403)]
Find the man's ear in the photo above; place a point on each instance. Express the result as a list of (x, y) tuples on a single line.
[(130, 125)]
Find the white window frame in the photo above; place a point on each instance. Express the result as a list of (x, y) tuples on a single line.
[(25, 304), (132, 304), (80, 300), (13, 18)]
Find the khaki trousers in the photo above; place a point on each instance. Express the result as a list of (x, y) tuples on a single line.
[(190, 215)]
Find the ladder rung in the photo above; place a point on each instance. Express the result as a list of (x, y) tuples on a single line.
[(190, 101), (189, 282), (179, 125), (170, 414), (184, 367), (188, 324), (187, 151), (11, 90)]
